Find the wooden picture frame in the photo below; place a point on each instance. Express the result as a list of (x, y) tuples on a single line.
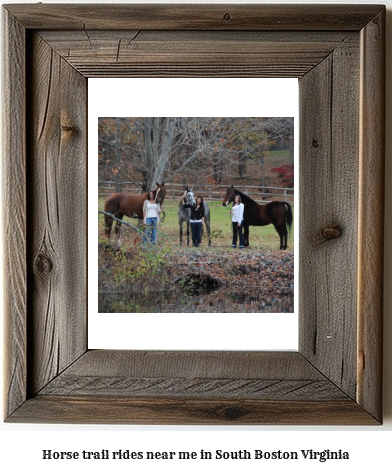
[(338, 54)]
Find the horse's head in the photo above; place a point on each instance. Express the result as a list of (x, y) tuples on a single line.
[(189, 197), (160, 193), (229, 197)]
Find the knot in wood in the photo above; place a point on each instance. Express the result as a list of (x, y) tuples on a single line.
[(43, 264), (315, 143), (69, 129), (328, 233), (232, 413), (227, 16)]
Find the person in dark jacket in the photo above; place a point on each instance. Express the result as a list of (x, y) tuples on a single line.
[(196, 220)]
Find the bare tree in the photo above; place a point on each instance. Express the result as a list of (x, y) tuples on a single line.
[(165, 148)]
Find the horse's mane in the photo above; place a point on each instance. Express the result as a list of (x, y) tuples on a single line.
[(245, 199), (181, 205), (154, 191)]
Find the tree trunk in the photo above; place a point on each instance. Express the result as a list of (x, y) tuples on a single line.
[(166, 132), (117, 152), (291, 156), (262, 166), (149, 153), (241, 165)]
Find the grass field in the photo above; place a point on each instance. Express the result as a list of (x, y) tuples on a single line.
[(264, 238)]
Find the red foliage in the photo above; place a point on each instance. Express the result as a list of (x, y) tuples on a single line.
[(285, 175), (212, 180)]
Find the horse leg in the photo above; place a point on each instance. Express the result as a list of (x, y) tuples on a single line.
[(180, 223), (246, 235), (279, 230), (284, 232), (187, 233), (108, 226), (117, 228), (208, 227)]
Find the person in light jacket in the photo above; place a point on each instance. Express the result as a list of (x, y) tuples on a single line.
[(151, 211), (237, 220)]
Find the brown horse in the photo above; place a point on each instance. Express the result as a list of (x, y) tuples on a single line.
[(278, 213), (131, 205)]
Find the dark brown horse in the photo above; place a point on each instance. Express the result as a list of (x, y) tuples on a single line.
[(278, 213), (131, 205)]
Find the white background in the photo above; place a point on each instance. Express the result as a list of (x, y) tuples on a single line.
[(21, 445)]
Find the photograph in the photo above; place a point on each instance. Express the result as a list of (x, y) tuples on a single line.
[(213, 197), (196, 214)]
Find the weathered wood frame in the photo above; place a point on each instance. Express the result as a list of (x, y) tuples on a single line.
[(337, 52)]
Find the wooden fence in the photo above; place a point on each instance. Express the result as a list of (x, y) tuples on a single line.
[(209, 192)]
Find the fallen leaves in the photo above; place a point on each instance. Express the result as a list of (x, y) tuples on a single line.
[(252, 280)]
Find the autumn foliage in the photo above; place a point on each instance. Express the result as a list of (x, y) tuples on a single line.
[(285, 175)]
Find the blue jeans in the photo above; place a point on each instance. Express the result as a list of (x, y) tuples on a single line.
[(150, 232), (196, 233)]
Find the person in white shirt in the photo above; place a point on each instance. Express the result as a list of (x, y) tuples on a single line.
[(151, 211), (237, 220)]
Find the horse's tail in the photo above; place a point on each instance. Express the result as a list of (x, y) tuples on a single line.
[(289, 214)]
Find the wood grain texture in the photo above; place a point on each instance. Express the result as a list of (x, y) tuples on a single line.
[(192, 387), (335, 378), (103, 409), (188, 387), (194, 17), (208, 364), (371, 216), (205, 374), (193, 53), (14, 225), (329, 97), (56, 211)]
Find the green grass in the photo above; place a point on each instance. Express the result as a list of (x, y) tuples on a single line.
[(263, 237)]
